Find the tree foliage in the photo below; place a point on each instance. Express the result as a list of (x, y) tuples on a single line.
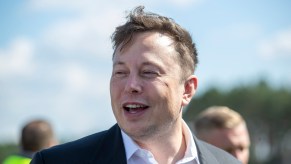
[(6, 150)]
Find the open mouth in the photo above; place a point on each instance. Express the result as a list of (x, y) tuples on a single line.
[(134, 108)]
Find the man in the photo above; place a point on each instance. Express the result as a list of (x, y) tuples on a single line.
[(152, 80), (226, 129), (35, 135)]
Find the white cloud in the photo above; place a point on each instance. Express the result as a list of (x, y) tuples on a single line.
[(16, 58), (87, 30), (76, 77), (89, 35), (276, 46)]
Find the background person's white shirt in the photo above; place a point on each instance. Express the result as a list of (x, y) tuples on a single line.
[(135, 154)]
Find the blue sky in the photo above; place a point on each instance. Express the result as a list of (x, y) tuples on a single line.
[(55, 55)]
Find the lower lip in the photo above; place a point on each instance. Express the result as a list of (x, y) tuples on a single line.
[(134, 115)]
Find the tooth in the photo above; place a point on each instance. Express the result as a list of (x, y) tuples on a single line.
[(133, 106)]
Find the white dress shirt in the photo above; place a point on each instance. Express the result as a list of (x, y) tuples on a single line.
[(135, 154)]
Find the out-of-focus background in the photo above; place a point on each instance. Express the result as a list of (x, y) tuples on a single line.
[(55, 63)]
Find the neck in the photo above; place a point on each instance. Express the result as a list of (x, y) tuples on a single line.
[(172, 144)]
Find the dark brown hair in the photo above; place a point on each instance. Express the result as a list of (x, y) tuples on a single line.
[(36, 135)]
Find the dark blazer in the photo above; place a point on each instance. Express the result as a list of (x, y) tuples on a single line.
[(107, 147)]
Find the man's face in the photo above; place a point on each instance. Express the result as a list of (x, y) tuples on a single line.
[(235, 141), (145, 87)]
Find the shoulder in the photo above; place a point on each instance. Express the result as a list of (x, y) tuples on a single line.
[(72, 151), (78, 151), (211, 154), (85, 143)]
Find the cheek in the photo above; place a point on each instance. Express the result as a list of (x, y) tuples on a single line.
[(114, 92), (175, 95), (246, 153), (171, 97), (115, 85)]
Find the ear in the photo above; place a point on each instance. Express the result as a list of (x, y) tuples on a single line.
[(190, 87)]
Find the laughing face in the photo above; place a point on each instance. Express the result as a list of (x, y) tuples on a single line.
[(146, 89)]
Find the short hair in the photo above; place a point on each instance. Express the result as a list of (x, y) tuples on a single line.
[(36, 135), (140, 21), (217, 117)]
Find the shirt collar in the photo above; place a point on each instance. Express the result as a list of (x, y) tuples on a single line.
[(191, 151), (130, 146)]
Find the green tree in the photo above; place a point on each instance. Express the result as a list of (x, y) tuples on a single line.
[(6, 150)]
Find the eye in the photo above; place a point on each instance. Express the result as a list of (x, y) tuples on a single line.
[(241, 148), (149, 73), (119, 73)]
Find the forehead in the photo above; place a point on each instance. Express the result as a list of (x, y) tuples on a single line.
[(231, 137), (146, 45), (149, 40)]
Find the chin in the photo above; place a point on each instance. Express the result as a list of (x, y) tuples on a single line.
[(138, 132)]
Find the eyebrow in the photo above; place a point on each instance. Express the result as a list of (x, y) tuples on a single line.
[(149, 63), (118, 63), (143, 64)]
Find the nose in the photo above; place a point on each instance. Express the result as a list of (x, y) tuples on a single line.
[(133, 84)]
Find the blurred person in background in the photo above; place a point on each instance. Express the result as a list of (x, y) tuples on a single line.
[(224, 128), (35, 135)]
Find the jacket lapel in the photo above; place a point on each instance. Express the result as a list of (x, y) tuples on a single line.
[(204, 155), (111, 149)]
